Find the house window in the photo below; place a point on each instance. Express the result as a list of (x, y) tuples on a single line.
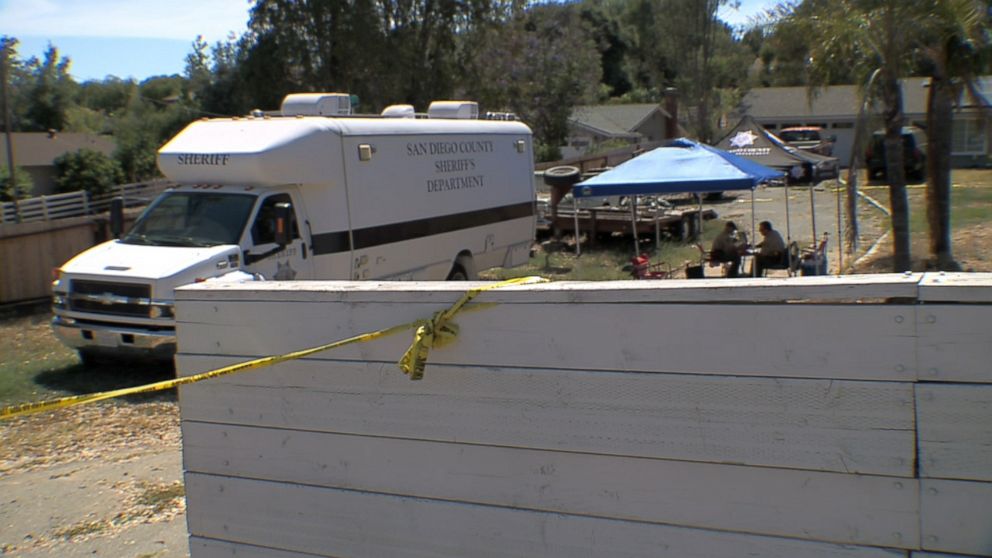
[(842, 125), (968, 137)]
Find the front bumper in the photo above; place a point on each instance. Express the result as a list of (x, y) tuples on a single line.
[(116, 340)]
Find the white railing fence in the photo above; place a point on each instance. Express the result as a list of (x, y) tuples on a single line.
[(75, 204)]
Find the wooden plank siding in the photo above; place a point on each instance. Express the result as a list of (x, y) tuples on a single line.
[(698, 418), (955, 431), (329, 522), (30, 251), (956, 516), (867, 342), (832, 507), (957, 342), (820, 425)]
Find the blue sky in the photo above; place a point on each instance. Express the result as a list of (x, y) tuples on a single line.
[(143, 38), (125, 38)]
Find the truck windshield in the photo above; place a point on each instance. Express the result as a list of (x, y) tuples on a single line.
[(192, 219)]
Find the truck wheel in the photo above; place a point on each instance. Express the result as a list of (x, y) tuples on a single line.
[(457, 273), (88, 359), (561, 176)]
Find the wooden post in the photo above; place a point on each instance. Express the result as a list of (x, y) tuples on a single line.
[(11, 178), (592, 226)]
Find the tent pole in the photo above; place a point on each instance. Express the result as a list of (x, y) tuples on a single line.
[(633, 223), (840, 249), (788, 226), (812, 212), (699, 230), (657, 228), (754, 236), (575, 219)]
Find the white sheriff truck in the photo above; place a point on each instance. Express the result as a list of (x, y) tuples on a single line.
[(310, 193)]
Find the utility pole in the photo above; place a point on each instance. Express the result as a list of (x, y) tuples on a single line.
[(11, 180)]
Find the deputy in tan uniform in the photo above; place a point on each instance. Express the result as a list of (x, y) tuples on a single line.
[(771, 249)]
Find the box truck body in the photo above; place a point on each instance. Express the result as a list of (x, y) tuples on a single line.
[(360, 198)]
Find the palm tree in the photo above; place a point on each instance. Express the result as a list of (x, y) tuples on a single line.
[(858, 37), (954, 44)]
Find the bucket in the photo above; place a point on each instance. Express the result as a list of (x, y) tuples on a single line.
[(694, 272)]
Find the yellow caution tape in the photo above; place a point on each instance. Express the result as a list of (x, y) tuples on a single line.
[(430, 333), (438, 331)]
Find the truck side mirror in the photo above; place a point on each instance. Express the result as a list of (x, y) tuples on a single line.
[(116, 217), (284, 220)]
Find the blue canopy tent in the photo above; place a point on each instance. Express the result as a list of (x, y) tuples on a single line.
[(682, 166)]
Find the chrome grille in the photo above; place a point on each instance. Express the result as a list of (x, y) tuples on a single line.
[(102, 297)]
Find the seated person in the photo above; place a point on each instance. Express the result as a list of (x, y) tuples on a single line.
[(727, 248), (771, 250)]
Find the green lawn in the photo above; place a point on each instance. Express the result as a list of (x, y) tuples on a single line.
[(36, 366), (30, 350), (606, 262), (970, 205)]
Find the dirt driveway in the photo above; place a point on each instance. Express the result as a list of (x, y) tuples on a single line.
[(808, 209), (98, 480)]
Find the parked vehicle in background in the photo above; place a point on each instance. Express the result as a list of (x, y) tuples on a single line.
[(809, 138), (309, 193), (914, 145)]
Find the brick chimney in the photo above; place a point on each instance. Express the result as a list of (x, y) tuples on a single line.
[(672, 108)]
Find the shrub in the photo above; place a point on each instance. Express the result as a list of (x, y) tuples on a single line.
[(22, 180), (88, 170)]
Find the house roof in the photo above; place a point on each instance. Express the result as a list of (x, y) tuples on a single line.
[(834, 102), (614, 120), (40, 149)]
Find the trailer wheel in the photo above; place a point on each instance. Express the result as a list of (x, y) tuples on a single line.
[(457, 273), (561, 176)]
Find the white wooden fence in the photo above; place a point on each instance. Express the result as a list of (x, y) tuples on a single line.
[(806, 417), (76, 204)]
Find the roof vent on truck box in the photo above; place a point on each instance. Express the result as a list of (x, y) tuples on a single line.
[(399, 111), (316, 104), (466, 110)]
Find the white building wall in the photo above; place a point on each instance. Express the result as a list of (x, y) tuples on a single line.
[(802, 417)]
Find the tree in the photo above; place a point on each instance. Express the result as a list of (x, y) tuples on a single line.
[(698, 18), (88, 170), (144, 126), (48, 93), (606, 33), (857, 37), (682, 44), (384, 51), (540, 65), (20, 186), (954, 42)]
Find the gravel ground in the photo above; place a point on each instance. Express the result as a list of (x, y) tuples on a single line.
[(99, 480)]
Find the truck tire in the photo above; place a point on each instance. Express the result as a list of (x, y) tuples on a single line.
[(457, 273), (561, 176)]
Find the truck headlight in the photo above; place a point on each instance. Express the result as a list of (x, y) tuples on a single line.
[(58, 300), (161, 311)]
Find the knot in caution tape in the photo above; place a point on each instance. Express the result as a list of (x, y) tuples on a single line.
[(436, 332), (431, 333), (439, 330)]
